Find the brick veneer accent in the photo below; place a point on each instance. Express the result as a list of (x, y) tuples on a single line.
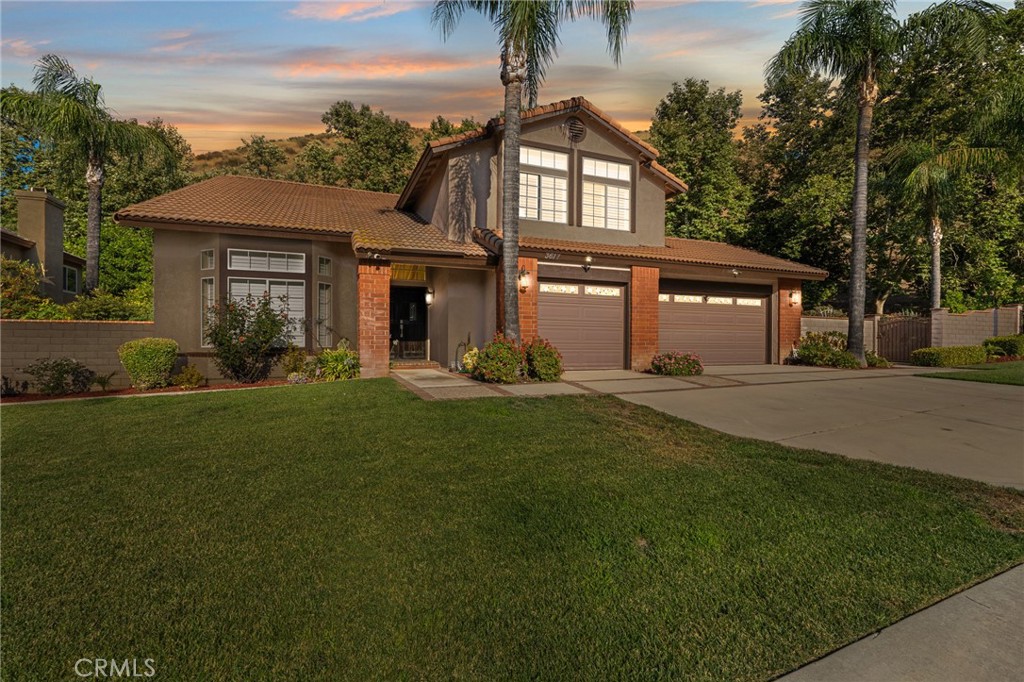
[(789, 317), (93, 343), (527, 300), (374, 300), (643, 317)]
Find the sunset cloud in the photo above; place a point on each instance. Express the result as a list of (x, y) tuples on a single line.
[(376, 66), (350, 11), (23, 49)]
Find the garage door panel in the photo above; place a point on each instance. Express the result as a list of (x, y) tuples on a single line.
[(721, 333), (588, 329)]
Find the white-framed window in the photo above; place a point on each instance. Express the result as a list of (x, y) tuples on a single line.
[(559, 289), (69, 279), (749, 301), (207, 299), (607, 192), (206, 259), (267, 261), (323, 266), (719, 300), (323, 315), (287, 295), (603, 291), (543, 185), (688, 298), (664, 298)]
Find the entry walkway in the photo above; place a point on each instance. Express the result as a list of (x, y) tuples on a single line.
[(436, 384)]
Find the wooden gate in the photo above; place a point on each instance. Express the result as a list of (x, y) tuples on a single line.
[(901, 335)]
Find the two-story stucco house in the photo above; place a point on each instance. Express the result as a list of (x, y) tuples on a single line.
[(412, 276)]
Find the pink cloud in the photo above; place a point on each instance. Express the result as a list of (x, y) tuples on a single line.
[(379, 66), (21, 48), (349, 11)]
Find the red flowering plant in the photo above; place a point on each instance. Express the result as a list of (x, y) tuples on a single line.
[(248, 337), (543, 361), (502, 361), (676, 364)]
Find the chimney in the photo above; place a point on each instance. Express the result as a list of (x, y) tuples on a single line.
[(41, 219)]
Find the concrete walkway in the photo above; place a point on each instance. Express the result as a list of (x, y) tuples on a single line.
[(436, 384), (976, 636)]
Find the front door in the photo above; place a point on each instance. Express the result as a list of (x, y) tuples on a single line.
[(408, 323)]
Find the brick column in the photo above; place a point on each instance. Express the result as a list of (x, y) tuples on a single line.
[(374, 295), (643, 317), (527, 301), (789, 317)]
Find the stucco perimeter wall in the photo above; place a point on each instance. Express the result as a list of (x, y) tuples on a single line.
[(974, 326), (841, 324), (94, 344)]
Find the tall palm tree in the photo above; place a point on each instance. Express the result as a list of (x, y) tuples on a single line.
[(858, 43), (928, 175), (68, 110), (528, 41)]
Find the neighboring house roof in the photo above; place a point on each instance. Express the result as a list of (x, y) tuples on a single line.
[(15, 238), (370, 219), (681, 251), (437, 148)]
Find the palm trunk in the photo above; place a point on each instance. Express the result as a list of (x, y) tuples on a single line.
[(512, 68), (858, 253), (935, 239), (94, 178)]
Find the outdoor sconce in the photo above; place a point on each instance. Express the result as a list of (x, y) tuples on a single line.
[(587, 262), (794, 297), (524, 280), (430, 297), (735, 272)]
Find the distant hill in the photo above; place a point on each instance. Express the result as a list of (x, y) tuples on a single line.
[(231, 160)]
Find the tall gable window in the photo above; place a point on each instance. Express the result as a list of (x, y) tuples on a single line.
[(543, 185), (606, 194)]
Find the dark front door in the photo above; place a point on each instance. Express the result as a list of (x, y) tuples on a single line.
[(408, 323)]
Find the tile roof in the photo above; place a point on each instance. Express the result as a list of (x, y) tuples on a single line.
[(16, 238), (230, 201), (682, 251)]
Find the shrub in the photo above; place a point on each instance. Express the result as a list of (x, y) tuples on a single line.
[(248, 338), (469, 359), (502, 361), (1012, 346), (103, 381), (294, 359), (19, 288), (103, 305), (950, 356), (149, 361), (876, 360), (676, 364), (543, 361), (60, 376), (10, 388), (188, 378), (825, 349), (338, 364)]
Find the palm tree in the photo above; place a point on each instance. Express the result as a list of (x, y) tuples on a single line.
[(928, 175), (858, 43), (68, 110), (528, 41)]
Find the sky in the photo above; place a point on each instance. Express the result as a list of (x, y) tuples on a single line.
[(222, 71)]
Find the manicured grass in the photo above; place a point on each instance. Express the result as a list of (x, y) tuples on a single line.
[(352, 531), (990, 373)]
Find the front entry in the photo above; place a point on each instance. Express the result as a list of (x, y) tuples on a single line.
[(408, 323)]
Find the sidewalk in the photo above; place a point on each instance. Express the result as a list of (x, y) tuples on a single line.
[(974, 636)]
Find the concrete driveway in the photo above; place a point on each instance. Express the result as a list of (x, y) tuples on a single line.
[(962, 428)]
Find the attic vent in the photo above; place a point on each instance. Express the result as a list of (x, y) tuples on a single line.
[(575, 130)]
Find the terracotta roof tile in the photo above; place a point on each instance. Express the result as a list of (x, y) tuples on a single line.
[(370, 218), (682, 251)]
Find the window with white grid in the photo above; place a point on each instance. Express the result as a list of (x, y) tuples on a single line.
[(288, 296), (272, 261), (543, 185), (607, 195)]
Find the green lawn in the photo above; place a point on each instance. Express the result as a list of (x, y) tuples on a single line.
[(990, 373), (353, 531)]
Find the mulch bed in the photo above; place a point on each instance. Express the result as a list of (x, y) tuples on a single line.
[(122, 392)]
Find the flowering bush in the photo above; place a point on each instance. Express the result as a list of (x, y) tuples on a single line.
[(469, 359), (502, 361), (676, 364), (248, 338), (543, 361)]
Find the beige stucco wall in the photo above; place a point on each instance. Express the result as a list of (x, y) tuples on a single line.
[(94, 344), (463, 309)]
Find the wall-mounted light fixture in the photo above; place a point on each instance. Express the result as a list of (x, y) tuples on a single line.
[(794, 297), (430, 297), (587, 262), (524, 279), (735, 272)]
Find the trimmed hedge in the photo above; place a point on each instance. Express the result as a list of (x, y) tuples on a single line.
[(951, 356), (149, 361), (825, 349), (1009, 345)]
